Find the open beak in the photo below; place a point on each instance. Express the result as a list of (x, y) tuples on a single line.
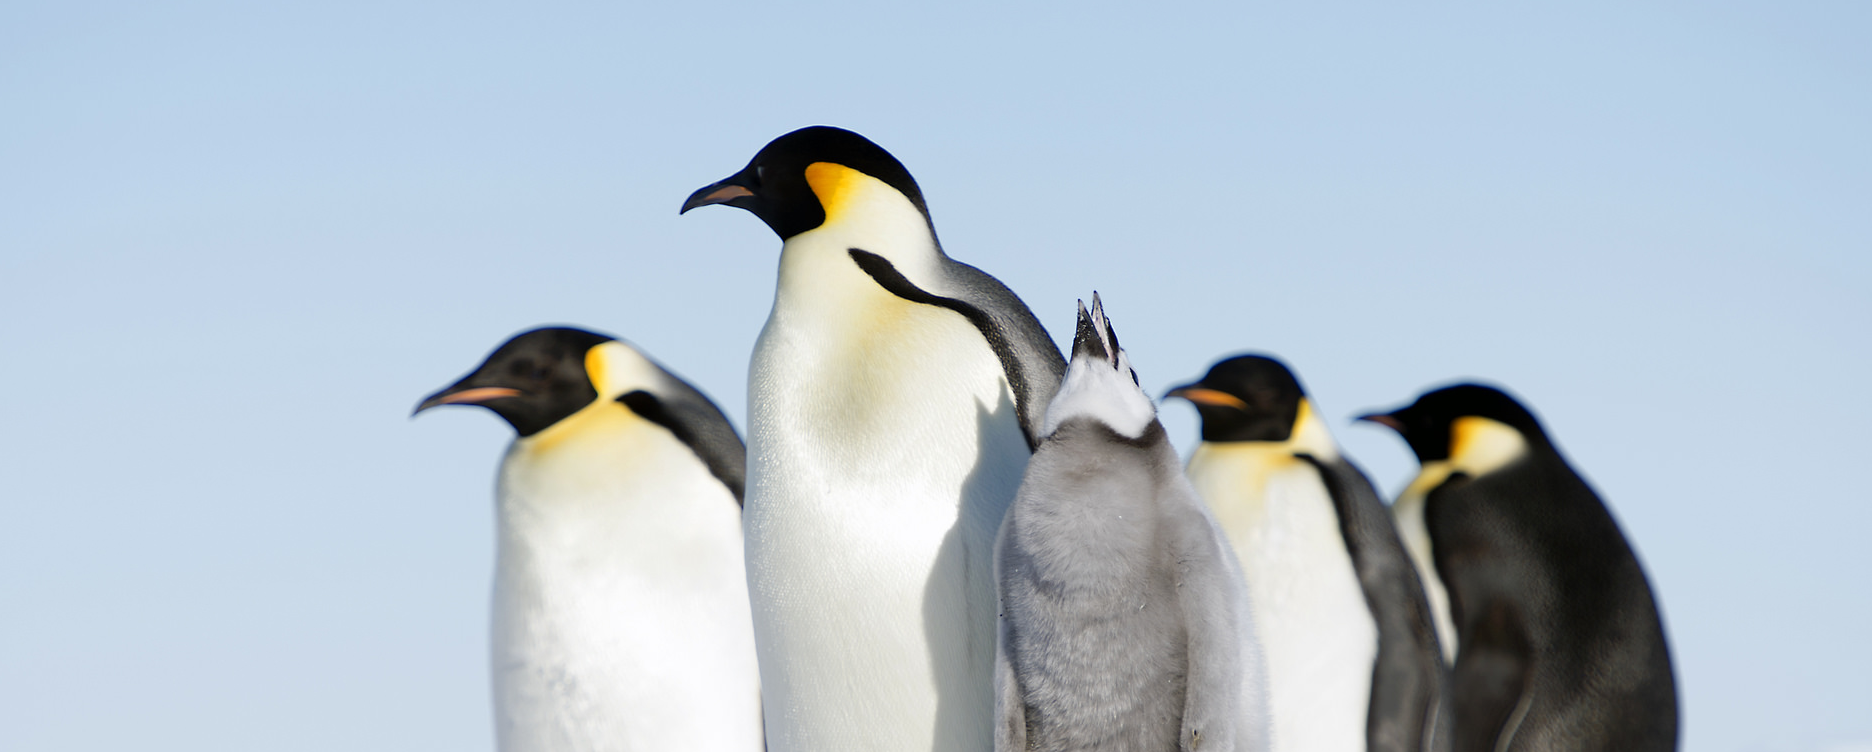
[(470, 396)]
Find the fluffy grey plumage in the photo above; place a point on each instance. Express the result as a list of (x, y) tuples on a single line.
[(1123, 615)]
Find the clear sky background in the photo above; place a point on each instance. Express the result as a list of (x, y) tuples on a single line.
[(237, 244)]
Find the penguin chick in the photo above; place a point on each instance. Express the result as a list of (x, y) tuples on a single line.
[(1124, 620), (893, 399), (1558, 641), (620, 599), (1352, 656)]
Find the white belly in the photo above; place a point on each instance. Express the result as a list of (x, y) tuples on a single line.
[(1316, 629), (620, 605), (883, 451)]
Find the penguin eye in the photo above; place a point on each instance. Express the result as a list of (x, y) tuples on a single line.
[(760, 175)]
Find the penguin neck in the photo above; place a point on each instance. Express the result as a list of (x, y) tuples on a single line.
[(865, 370), (603, 483), (1309, 436), (1232, 476), (862, 214)]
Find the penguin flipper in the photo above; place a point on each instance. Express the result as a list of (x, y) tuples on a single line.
[(1028, 354), (1408, 679), (1490, 680)]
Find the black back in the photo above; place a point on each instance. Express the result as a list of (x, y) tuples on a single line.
[(1560, 646)]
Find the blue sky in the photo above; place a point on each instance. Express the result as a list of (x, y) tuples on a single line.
[(238, 243)]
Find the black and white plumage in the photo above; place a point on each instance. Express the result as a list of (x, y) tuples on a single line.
[(1124, 621), (620, 600), (893, 399), (1352, 656), (1559, 645)]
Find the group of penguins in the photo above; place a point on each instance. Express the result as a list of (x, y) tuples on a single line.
[(942, 535)]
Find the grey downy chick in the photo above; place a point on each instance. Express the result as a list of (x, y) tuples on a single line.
[(1124, 621)]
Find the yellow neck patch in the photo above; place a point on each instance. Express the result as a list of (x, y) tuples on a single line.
[(835, 185), (595, 367)]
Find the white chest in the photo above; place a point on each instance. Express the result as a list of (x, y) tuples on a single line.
[(883, 451), (1415, 533), (620, 606), (1314, 623)]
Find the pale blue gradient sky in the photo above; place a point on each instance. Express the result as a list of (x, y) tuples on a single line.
[(237, 244)]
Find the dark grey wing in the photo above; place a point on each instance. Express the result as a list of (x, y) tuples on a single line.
[(1409, 705), (698, 423), (1032, 362), (1491, 678)]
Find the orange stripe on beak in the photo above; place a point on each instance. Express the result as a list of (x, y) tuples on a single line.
[(1211, 397), (477, 395)]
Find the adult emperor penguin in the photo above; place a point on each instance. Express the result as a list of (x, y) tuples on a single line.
[(620, 601), (1558, 641), (893, 399), (1352, 657), (1125, 623)]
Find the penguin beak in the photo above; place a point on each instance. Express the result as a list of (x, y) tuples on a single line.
[(1384, 419), (1093, 336), (722, 192), (456, 395), (1206, 396)]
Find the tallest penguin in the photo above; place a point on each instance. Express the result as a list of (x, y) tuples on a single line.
[(893, 401)]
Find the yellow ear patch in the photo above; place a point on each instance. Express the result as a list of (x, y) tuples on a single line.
[(835, 185), (1310, 434), (595, 367), (1480, 445)]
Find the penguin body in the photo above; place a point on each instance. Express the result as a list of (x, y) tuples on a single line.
[(620, 604), (892, 394), (1559, 642), (1125, 624), (1352, 656)]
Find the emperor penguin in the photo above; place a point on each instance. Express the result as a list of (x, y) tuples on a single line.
[(1352, 658), (1559, 645), (1125, 622), (620, 600), (893, 400)]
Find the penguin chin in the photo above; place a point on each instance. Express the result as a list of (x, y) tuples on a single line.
[(1094, 389)]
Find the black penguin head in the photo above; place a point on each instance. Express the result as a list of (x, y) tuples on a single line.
[(779, 184), (1245, 398), (534, 380), (1425, 424)]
